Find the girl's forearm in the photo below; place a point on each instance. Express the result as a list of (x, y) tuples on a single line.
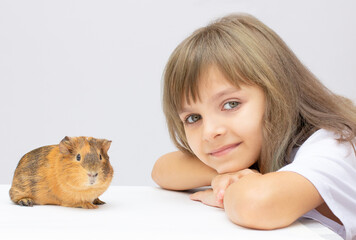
[(244, 203), (270, 201), (178, 171)]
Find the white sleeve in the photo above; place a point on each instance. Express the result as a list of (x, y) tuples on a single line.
[(331, 167)]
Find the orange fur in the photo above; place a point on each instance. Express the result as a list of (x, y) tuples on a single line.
[(53, 175)]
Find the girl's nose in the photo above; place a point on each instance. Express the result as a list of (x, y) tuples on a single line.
[(213, 129)]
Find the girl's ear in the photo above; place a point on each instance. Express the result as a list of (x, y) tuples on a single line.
[(66, 145), (105, 146)]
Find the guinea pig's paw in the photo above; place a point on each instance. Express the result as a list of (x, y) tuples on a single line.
[(88, 205), (25, 202), (97, 201)]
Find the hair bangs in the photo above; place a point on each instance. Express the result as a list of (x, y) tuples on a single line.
[(207, 47)]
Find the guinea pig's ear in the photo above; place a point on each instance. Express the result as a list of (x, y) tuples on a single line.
[(105, 145), (66, 146)]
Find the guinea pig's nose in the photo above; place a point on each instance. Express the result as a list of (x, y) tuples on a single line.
[(92, 174)]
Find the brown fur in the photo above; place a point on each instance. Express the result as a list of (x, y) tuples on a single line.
[(53, 175)]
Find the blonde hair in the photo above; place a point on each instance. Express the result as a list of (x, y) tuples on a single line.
[(248, 52)]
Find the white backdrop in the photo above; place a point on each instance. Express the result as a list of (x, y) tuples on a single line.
[(94, 68)]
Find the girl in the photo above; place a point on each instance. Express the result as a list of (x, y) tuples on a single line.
[(251, 121)]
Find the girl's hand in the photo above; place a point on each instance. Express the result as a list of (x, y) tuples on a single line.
[(215, 196), (221, 182)]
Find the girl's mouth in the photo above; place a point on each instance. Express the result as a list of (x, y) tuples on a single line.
[(224, 150)]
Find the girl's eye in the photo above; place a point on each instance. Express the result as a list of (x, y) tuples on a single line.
[(78, 157), (192, 118), (231, 105)]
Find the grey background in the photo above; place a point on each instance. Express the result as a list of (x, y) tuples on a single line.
[(94, 68)]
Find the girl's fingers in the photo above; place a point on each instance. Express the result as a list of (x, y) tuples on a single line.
[(219, 192), (215, 196), (201, 195), (220, 183), (195, 196), (207, 197), (220, 196)]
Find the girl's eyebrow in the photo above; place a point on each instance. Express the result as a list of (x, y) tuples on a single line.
[(215, 97), (183, 110), (224, 92)]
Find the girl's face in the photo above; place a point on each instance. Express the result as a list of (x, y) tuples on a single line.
[(224, 127)]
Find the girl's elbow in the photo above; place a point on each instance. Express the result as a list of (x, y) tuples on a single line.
[(156, 174), (161, 173), (254, 209)]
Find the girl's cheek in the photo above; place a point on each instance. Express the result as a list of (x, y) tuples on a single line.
[(194, 144)]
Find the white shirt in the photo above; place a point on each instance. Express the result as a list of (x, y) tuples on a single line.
[(331, 167)]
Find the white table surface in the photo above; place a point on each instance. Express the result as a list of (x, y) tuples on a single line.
[(138, 213)]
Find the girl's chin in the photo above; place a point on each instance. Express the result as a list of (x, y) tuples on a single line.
[(228, 169)]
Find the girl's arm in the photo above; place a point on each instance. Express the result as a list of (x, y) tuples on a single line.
[(270, 201), (178, 171)]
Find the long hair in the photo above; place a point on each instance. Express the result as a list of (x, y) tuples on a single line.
[(248, 52)]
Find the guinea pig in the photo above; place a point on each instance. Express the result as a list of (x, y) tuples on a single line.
[(73, 173)]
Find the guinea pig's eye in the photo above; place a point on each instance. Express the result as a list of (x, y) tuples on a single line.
[(100, 157), (78, 157)]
